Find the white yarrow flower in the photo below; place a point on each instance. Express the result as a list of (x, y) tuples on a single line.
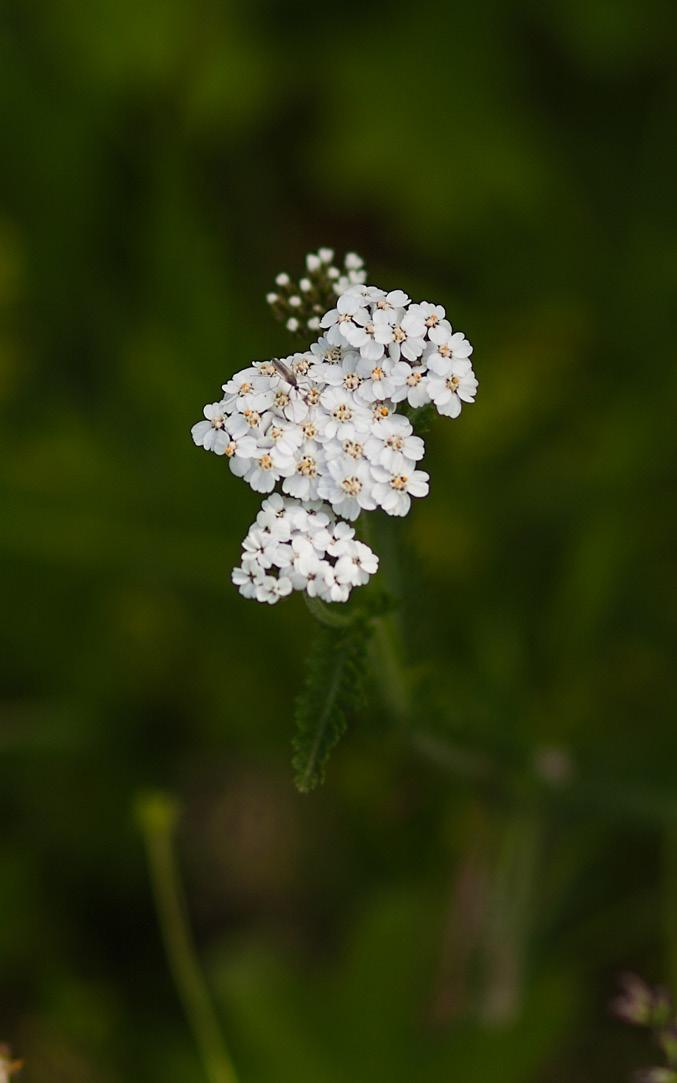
[(450, 391), (323, 426)]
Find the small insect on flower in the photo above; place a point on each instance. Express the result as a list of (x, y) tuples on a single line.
[(285, 373)]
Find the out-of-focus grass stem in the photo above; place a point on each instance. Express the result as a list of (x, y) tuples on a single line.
[(158, 816)]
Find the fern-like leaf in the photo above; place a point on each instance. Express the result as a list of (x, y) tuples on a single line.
[(334, 685)]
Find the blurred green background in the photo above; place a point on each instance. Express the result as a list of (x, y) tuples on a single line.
[(458, 900)]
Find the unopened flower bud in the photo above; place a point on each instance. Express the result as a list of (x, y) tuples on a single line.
[(353, 262)]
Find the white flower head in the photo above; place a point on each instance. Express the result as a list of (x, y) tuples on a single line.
[(328, 426)]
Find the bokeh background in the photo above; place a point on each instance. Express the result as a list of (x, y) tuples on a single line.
[(458, 900)]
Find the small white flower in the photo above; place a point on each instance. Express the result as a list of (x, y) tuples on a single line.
[(289, 402), (302, 481), (267, 467), (274, 518), (305, 559), (282, 279), (261, 546), (453, 346), (271, 588), (377, 382), (392, 304), (332, 590), (285, 435), (449, 392), (313, 262), (364, 334), (347, 416), (393, 492), (239, 445), (247, 390), (209, 433), (349, 308), (356, 565), (326, 352), (379, 411), (272, 298), (292, 324), (408, 336), (432, 315), (410, 383), (395, 447), (348, 487), (326, 255), (256, 422), (341, 539), (247, 576)]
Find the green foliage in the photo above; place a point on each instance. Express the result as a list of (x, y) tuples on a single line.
[(334, 687)]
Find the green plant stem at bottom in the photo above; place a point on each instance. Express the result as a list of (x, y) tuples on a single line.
[(158, 816)]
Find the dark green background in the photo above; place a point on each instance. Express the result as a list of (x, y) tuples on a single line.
[(456, 903)]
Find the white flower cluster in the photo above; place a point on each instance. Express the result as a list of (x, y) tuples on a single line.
[(324, 425), (297, 546)]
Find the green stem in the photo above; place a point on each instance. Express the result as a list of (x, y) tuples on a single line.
[(389, 649), (158, 816), (332, 615)]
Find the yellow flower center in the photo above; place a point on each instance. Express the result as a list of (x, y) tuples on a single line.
[(307, 467), (352, 486)]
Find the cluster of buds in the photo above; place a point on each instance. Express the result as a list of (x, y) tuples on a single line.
[(643, 1006), (300, 304)]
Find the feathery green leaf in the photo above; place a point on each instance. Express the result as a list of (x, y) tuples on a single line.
[(334, 684)]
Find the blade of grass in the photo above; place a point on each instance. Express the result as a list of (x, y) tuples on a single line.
[(158, 815)]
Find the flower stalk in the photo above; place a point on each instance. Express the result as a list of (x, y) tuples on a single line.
[(158, 816)]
